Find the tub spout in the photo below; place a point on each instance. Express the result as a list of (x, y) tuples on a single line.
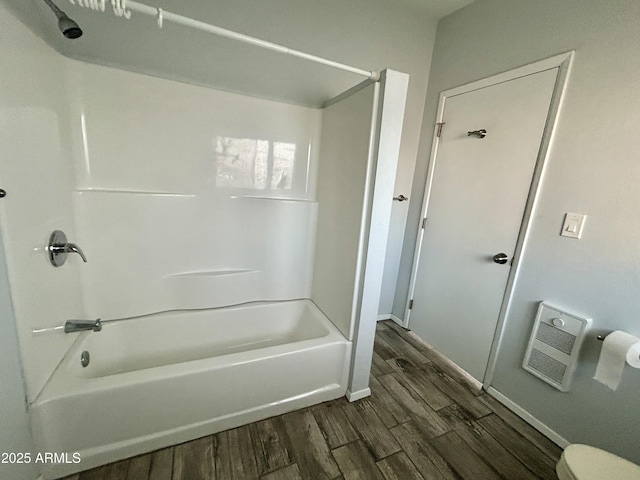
[(81, 325)]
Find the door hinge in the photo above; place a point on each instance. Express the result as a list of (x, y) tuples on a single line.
[(439, 130), (424, 222), (410, 304)]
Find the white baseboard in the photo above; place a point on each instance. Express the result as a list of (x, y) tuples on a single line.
[(391, 316), (530, 419), (353, 396)]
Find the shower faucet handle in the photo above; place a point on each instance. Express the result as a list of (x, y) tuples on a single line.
[(73, 248), (59, 248)]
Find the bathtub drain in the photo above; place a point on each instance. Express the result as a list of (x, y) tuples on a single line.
[(85, 358)]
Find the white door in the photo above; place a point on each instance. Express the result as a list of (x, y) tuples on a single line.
[(480, 187)]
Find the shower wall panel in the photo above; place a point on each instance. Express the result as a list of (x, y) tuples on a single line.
[(190, 197), (189, 251), (38, 178), (139, 133), (342, 179)]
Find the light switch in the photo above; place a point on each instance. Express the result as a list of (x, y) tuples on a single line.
[(573, 225)]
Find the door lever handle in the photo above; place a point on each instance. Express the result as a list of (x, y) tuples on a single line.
[(401, 198), (477, 133)]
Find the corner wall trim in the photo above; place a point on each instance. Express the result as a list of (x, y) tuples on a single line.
[(353, 396), (527, 417)]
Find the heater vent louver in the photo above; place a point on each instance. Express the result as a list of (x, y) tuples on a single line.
[(546, 365), (556, 338), (552, 354)]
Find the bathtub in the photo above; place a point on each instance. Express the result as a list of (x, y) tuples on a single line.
[(163, 379)]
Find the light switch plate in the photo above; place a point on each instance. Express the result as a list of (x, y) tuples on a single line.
[(573, 225)]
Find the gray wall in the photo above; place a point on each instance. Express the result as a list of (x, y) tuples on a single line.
[(593, 168), (15, 434)]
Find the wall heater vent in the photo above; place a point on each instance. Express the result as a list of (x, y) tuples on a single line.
[(554, 346)]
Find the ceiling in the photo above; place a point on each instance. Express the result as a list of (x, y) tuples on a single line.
[(435, 8), (192, 56)]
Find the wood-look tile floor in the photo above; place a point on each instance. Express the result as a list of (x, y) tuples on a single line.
[(425, 420)]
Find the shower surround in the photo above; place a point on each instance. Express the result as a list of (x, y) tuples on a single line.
[(235, 248)]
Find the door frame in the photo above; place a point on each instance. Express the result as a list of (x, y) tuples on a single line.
[(563, 62)]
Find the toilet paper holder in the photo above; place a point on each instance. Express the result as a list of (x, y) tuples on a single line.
[(619, 349)]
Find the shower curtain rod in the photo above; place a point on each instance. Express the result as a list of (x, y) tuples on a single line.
[(161, 15)]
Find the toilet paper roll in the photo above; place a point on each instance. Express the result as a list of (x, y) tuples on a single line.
[(619, 348)]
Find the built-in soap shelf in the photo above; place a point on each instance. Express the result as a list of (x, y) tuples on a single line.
[(212, 273)]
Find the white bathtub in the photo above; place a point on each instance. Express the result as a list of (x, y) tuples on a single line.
[(163, 379)]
